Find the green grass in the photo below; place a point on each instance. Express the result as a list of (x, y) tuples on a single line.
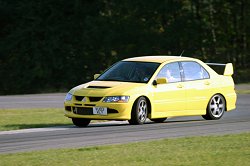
[(216, 150), (12, 119), (243, 88), (243, 91)]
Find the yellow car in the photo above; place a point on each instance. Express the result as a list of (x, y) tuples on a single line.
[(154, 87)]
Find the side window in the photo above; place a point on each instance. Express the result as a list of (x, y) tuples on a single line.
[(194, 71), (204, 73), (171, 72)]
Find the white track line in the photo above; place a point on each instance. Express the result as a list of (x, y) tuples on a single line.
[(34, 130), (57, 128)]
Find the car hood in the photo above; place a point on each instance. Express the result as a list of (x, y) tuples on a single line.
[(107, 88)]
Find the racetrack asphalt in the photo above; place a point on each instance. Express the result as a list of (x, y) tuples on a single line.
[(52, 100), (236, 121)]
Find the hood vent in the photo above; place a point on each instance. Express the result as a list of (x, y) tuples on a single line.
[(99, 87)]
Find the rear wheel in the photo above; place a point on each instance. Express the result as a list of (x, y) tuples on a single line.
[(139, 111), (216, 108), (81, 122), (158, 120)]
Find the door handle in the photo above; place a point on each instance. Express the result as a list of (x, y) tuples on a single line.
[(207, 83), (180, 86)]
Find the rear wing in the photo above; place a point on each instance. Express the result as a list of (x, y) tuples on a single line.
[(228, 71)]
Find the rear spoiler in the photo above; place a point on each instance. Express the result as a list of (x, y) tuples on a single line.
[(228, 71)]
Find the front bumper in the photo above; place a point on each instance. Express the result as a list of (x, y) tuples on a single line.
[(115, 111)]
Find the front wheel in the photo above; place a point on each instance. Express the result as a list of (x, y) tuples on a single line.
[(139, 111), (81, 122), (216, 108)]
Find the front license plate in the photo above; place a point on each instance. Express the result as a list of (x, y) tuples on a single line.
[(100, 111)]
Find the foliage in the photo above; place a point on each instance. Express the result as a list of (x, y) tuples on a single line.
[(50, 45)]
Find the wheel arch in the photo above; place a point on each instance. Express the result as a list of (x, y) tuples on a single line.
[(148, 102)]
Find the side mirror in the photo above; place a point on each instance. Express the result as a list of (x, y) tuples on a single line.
[(160, 80), (96, 75)]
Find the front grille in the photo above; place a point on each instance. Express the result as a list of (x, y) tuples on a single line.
[(90, 105), (89, 111), (91, 99), (79, 98), (94, 99)]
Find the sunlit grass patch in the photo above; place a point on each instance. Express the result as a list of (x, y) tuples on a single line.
[(13, 119), (243, 91), (227, 150)]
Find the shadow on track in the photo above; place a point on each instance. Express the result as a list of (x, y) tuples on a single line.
[(148, 122)]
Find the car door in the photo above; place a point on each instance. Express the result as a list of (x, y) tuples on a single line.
[(169, 98), (198, 87)]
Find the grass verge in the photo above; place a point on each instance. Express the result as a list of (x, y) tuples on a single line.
[(208, 150), (13, 119), (243, 91), (243, 88)]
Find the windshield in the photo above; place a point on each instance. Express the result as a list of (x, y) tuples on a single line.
[(128, 71)]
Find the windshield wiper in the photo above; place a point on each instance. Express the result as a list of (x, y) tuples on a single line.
[(108, 80)]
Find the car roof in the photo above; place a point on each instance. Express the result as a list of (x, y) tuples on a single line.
[(157, 58)]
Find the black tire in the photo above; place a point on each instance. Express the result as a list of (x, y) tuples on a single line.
[(139, 111), (215, 108), (158, 120), (80, 122)]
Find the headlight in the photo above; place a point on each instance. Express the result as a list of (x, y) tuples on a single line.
[(116, 99), (68, 97)]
